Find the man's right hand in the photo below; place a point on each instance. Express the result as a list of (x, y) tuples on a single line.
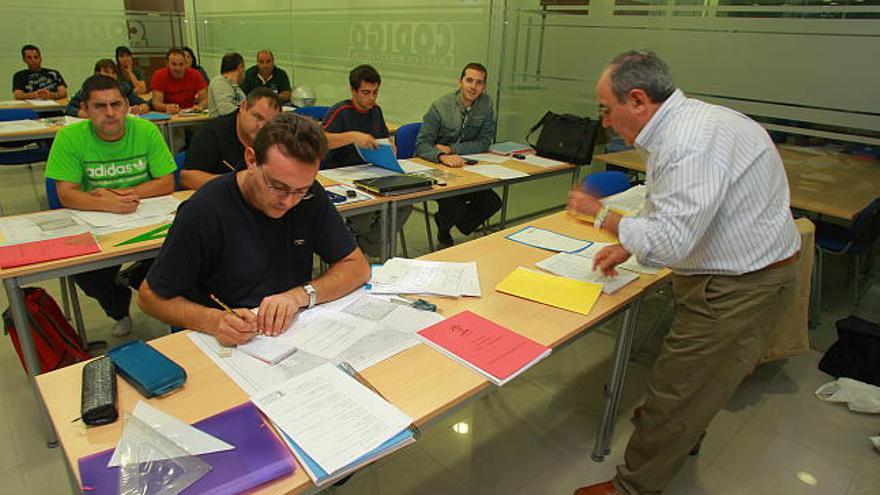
[(364, 140), (453, 161), (172, 108), (232, 330), (117, 201), (43, 93)]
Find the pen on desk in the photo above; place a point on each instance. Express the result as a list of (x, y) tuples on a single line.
[(228, 165)]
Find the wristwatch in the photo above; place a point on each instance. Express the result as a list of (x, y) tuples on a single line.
[(312, 293)]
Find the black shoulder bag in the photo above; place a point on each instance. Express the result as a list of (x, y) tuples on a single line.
[(565, 137)]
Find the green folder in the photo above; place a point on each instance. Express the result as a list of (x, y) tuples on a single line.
[(156, 233)]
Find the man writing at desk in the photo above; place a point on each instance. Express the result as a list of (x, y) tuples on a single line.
[(219, 145), (109, 163), (177, 87), (460, 123), (249, 238), (36, 81), (717, 214)]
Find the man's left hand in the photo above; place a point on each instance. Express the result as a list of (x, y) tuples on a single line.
[(276, 312), (608, 258), (582, 203)]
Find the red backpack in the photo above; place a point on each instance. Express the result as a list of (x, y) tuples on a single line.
[(56, 342)]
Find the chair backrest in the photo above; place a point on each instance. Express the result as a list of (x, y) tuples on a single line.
[(315, 112), (865, 228), (52, 194), (179, 158), (7, 114), (603, 184), (405, 139)]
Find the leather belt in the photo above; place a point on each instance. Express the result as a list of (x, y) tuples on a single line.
[(779, 264)]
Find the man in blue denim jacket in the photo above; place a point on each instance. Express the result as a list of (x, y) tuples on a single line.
[(460, 123)]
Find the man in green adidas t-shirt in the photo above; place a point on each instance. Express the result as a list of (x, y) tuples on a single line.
[(109, 163)]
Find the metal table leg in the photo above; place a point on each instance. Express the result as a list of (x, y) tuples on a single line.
[(505, 194), (25, 339), (614, 389), (383, 219), (392, 228)]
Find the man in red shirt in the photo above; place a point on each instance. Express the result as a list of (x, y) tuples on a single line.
[(177, 87)]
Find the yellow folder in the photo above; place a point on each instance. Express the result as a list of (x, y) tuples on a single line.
[(561, 292)]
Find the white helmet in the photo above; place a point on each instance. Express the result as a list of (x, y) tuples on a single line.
[(303, 96)]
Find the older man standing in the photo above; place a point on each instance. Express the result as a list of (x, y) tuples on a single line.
[(717, 215)]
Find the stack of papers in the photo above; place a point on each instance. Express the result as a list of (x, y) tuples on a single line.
[(405, 276), (486, 157), (333, 423), (579, 268), (540, 161), (560, 292), (498, 353), (632, 264), (549, 240), (151, 211), (628, 203), (359, 329), (11, 126), (510, 147), (43, 103)]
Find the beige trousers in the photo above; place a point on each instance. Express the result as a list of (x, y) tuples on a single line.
[(721, 328)]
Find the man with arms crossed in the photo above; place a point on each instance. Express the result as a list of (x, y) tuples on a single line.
[(222, 140), (109, 163), (460, 123), (249, 239), (717, 214)]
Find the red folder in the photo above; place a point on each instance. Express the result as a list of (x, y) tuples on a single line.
[(51, 249), (484, 346)]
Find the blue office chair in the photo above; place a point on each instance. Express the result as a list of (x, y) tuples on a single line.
[(856, 240), (22, 152), (179, 159), (405, 139), (52, 194), (315, 112), (603, 184)]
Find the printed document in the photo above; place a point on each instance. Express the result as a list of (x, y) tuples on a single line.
[(150, 211), (40, 226), (331, 416), (405, 276), (580, 268), (495, 171), (549, 240)]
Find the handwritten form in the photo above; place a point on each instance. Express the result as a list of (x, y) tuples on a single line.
[(331, 415), (580, 268)]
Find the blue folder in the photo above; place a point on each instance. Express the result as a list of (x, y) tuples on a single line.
[(383, 156)]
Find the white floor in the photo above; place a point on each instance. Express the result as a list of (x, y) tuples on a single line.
[(535, 435)]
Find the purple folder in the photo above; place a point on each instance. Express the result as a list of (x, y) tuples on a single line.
[(259, 456)]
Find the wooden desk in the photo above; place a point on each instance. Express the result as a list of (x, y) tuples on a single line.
[(422, 382), (460, 181), (822, 182), (30, 135)]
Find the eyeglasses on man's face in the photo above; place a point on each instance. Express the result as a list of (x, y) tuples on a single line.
[(282, 191)]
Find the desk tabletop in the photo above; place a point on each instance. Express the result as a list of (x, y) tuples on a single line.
[(422, 382), (59, 104), (824, 182)]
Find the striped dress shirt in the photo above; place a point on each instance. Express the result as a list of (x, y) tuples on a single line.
[(718, 200)]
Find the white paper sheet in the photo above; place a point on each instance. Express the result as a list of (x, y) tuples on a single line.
[(547, 239), (40, 226), (410, 166), (42, 103), (405, 276), (150, 211), (629, 202), (186, 436), (580, 268), (487, 157), (632, 264), (347, 175), (343, 191), (332, 416), (540, 161), (495, 171), (11, 126)]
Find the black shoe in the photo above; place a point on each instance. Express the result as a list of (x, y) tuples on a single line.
[(444, 230)]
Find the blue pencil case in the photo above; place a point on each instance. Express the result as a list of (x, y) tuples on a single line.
[(146, 369)]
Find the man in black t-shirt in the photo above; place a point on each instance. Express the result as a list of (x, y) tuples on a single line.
[(359, 122), (224, 139), (249, 238), (36, 81), (267, 75)]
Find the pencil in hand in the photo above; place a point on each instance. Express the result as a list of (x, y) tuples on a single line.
[(228, 165), (225, 307)]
